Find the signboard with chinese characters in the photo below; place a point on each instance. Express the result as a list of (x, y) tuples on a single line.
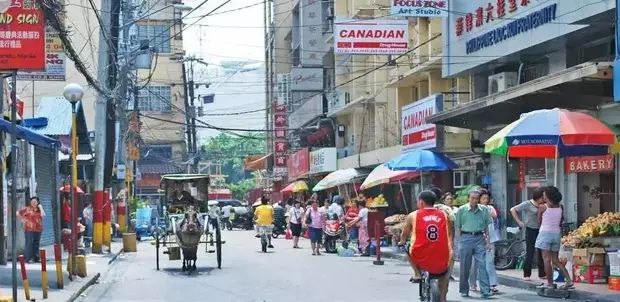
[(298, 164), (417, 8), (280, 144), (323, 160), (371, 37), (22, 35), (312, 42), (490, 29), (417, 133), (55, 61), (306, 79), (584, 164)]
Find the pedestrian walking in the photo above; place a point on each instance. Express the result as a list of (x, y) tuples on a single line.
[(472, 223), (448, 199), (314, 220), (494, 236), (361, 222), (293, 220), (66, 211), (87, 216), (528, 221), (32, 217), (550, 216)]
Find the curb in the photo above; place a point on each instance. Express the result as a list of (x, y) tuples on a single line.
[(92, 280), (82, 289), (518, 283)]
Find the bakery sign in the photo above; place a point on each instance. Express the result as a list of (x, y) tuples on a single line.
[(585, 164), (323, 160), (417, 132)]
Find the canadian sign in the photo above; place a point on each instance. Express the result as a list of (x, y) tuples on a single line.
[(379, 37), (417, 133), (589, 164), (22, 36), (323, 160), (419, 8)]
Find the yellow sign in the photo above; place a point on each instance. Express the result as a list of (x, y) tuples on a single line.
[(133, 152)]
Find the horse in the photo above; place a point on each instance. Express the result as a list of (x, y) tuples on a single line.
[(189, 231)]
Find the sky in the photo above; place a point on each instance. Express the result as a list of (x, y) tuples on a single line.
[(236, 35)]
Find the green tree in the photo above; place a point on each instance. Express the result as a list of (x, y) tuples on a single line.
[(239, 189), (231, 150)]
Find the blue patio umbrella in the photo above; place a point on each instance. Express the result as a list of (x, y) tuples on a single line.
[(421, 160)]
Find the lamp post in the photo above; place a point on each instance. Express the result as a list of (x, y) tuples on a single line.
[(73, 93)]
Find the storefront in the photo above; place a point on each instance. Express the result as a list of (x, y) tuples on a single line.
[(595, 184), (322, 162)]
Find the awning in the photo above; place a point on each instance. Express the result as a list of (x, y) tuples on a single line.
[(340, 177), (581, 87), (28, 135), (257, 162)]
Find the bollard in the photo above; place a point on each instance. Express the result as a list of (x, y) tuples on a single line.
[(22, 265), (44, 285), (378, 246), (58, 260), (80, 262)]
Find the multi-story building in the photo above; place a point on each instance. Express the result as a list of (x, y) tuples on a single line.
[(161, 93), (519, 56)]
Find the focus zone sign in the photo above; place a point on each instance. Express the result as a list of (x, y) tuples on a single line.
[(22, 35)]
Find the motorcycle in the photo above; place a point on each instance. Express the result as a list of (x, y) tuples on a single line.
[(242, 221), (279, 228), (333, 231)]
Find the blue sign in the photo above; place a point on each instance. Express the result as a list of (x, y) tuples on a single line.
[(512, 29)]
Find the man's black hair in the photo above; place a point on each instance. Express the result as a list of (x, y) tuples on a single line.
[(538, 193), (437, 191), (428, 197)]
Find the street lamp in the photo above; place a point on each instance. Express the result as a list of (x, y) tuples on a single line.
[(73, 93)]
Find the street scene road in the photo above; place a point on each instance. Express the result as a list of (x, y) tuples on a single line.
[(284, 274)]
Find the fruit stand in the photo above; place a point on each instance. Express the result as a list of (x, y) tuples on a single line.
[(592, 250)]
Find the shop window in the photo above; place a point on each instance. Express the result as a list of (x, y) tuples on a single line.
[(154, 99), (460, 178), (159, 35)]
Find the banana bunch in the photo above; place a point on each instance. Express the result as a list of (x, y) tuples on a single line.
[(605, 224)]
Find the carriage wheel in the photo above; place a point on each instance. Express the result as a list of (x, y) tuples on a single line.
[(157, 249), (218, 246)]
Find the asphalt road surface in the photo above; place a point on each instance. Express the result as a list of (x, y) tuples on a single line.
[(247, 275)]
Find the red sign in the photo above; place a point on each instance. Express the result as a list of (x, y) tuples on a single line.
[(586, 164), (280, 120), (280, 160), (280, 133), (299, 163), (280, 109), (280, 147), (22, 36)]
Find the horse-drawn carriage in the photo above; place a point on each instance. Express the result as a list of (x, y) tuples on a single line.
[(189, 220)]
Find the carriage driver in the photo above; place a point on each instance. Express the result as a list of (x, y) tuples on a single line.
[(182, 196)]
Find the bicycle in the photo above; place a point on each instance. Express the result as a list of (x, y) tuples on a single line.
[(264, 231), (509, 251), (429, 283)]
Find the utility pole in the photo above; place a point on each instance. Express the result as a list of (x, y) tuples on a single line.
[(188, 128), (192, 112)]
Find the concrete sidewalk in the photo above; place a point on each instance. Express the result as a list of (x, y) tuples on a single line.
[(512, 278), (96, 264)]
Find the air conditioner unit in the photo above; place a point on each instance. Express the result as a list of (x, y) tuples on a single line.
[(502, 81)]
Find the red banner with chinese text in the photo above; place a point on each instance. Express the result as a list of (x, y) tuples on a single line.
[(22, 36)]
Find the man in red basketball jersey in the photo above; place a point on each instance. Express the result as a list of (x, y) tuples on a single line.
[(431, 242)]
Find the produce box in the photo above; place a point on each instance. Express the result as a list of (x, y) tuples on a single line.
[(614, 263), (589, 274), (590, 256), (614, 283)]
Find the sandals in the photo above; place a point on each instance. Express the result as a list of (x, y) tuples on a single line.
[(494, 290), (415, 280), (473, 289), (567, 286)]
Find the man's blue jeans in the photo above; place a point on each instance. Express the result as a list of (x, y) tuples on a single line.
[(473, 246)]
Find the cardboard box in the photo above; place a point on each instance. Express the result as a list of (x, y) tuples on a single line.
[(614, 283), (590, 256), (589, 274)]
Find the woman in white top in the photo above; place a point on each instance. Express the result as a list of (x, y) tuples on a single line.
[(293, 222)]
